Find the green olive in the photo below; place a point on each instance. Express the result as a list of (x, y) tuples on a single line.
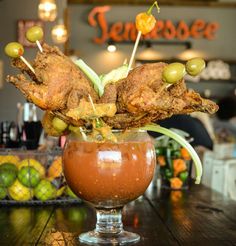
[(195, 66), (34, 33), (173, 73), (14, 49), (59, 124), (74, 129)]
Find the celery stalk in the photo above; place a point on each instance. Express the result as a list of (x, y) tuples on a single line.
[(182, 142), (92, 76)]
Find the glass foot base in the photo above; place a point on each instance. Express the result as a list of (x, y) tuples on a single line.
[(95, 238)]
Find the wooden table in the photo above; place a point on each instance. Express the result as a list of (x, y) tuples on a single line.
[(196, 217)]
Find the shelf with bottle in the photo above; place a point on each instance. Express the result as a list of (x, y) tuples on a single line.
[(25, 131)]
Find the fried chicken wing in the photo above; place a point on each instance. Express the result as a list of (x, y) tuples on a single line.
[(143, 91), (58, 84), (143, 97)]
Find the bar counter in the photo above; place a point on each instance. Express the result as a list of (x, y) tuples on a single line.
[(196, 217)]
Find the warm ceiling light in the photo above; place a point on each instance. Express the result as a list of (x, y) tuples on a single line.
[(149, 53), (47, 10), (59, 34), (111, 48), (189, 54)]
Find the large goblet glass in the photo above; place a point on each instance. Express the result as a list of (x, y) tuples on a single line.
[(108, 175)]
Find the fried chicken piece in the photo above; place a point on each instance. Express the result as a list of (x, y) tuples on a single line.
[(143, 91), (110, 94), (143, 97), (18, 63), (58, 83), (88, 111)]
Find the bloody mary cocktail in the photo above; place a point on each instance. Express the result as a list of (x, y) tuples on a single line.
[(108, 175)]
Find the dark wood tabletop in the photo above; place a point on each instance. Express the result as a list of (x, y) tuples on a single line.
[(197, 216)]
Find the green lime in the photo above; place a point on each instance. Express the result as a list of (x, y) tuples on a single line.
[(8, 173), (8, 166), (183, 176), (45, 190), (29, 176), (33, 163), (3, 192), (19, 192)]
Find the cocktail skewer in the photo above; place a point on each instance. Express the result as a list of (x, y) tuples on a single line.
[(27, 64), (134, 51), (16, 50), (39, 46), (145, 22), (98, 122), (34, 34), (91, 101)]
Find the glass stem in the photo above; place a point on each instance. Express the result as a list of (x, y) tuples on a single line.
[(109, 221)]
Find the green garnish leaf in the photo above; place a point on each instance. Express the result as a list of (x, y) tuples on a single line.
[(99, 88), (182, 142)]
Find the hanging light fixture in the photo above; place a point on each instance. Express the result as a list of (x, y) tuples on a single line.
[(47, 10), (59, 33)]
